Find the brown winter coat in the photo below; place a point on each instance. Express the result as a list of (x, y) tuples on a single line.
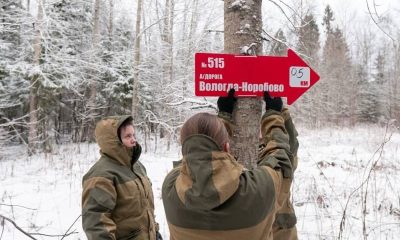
[(211, 196), (117, 199)]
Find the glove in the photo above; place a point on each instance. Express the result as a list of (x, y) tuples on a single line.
[(226, 104), (272, 103), (158, 236), (137, 150)]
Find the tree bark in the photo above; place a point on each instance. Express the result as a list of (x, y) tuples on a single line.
[(189, 52), (166, 111), (111, 21), (33, 91), (88, 121), (242, 27), (135, 85), (87, 131), (167, 39)]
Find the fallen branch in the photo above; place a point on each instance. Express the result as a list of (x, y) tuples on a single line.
[(66, 233), (17, 227), (12, 205), (30, 235)]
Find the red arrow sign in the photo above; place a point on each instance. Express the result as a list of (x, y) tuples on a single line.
[(288, 77)]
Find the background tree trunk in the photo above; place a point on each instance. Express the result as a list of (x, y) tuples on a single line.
[(33, 91), (242, 27), (88, 124), (93, 82), (111, 21), (135, 93), (167, 72)]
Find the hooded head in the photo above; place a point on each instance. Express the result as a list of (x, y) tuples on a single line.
[(107, 138), (126, 134)]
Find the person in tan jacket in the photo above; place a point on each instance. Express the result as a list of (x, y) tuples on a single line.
[(117, 199), (210, 195)]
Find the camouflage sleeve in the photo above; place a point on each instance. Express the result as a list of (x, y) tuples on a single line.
[(98, 201), (292, 132), (276, 151)]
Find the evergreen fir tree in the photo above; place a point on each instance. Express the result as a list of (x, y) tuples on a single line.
[(380, 83), (15, 30), (337, 84), (367, 106), (308, 45), (308, 39)]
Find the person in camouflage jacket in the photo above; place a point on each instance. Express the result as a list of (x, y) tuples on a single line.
[(211, 196), (117, 199)]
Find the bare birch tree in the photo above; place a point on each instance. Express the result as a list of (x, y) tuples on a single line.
[(136, 62), (111, 21), (87, 128), (93, 82), (166, 112), (33, 93)]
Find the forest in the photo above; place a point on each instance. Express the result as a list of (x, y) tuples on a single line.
[(65, 64)]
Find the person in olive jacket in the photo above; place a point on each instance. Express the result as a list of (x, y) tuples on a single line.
[(210, 195), (117, 199)]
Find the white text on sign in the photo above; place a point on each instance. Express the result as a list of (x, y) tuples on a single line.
[(206, 76), (244, 86), (214, 63)]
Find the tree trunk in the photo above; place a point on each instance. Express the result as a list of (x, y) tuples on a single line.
[(167, 73), (111, 22), (88, 123), (33, 91), (135, 93), (166, 37), (395, 86), (242, 27), (189, 52), (93, 82)]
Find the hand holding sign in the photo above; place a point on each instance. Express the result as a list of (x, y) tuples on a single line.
[(272, 103), (226, 104)]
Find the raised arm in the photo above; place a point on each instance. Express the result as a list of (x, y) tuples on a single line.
[(275, 155), (292, 132), (275, 152)]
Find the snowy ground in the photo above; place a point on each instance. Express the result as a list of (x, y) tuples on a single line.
[(348, 176)]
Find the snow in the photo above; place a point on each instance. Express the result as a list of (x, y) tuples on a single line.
[(42, 193), (237, 4)]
